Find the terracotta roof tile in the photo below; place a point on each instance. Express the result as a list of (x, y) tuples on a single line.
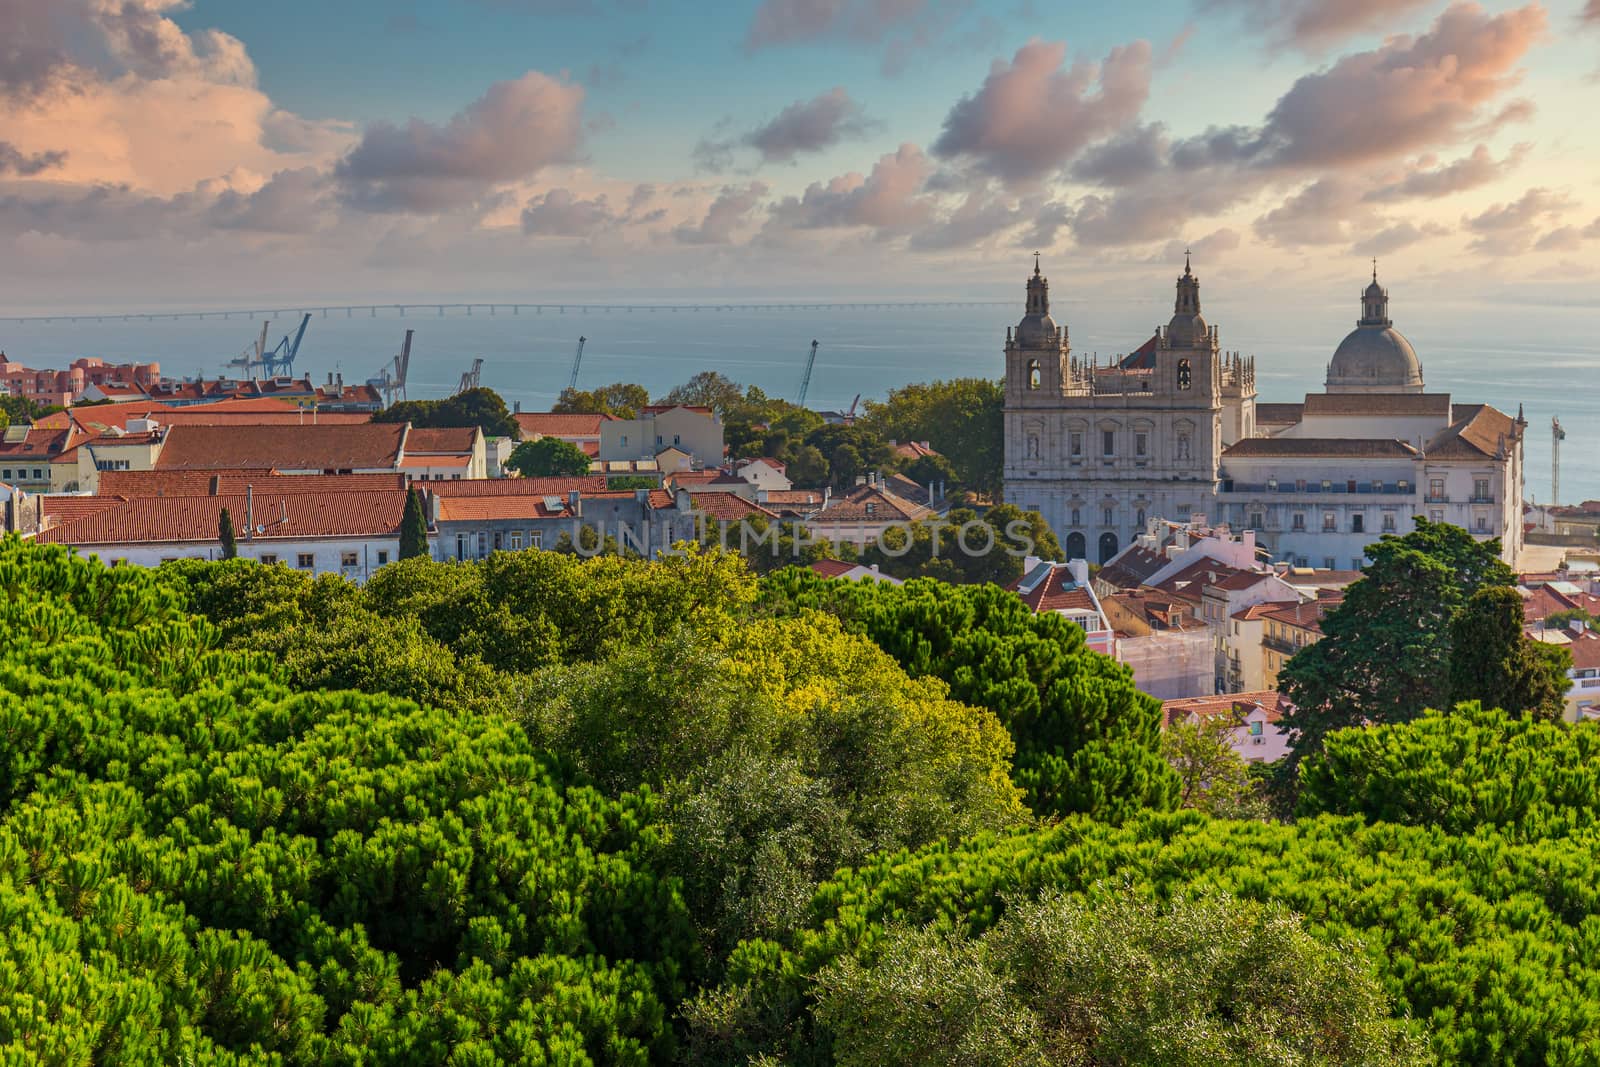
[(1294, 447), (365, 446), (492, 508), (1306, 616), (147, 520), (1479, 430), (1420, 404), (1056, 591), (441, 439), (233, 482), (1239, 705), (729, 506), (884, 507), (559, 424), (586, 484), (1131, 567)]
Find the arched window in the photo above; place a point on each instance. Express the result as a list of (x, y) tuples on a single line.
[(1185, 377), (1108, 547), (1077, 547), (1139, 518), (1034, 374)]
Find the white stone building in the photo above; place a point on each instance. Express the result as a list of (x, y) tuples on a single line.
[(1174, 430)]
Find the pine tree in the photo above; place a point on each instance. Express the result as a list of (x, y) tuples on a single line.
[(230, 547), (413, 527)]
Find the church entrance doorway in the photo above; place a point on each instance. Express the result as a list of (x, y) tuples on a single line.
[(1108, 547), (1077, 547)]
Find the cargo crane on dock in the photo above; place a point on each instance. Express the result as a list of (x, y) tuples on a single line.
[(274, 362), (391, 380), (1557, 435), (577, 361), (805, 380), (470, 378)]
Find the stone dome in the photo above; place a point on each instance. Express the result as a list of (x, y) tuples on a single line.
[(1036, 331), (1375, 358)]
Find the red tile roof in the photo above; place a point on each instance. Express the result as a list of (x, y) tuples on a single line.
[(39, 445), (1479, 431), (58, 510), (1131, 567), (1434, 405), (1238, 705), (1585, 649), (442, 439), (492, 508), (373, 445), (434, 459), (729, 506), (1143, 357), (1295, 447), (586, 484), (132, 484), (1305, 616), (885, 507), (1256, 611), (560, 424), (149, 520), (1057, 591)]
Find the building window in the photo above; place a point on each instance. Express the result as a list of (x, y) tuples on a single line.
[(1034, 377), (349, 559), (1436, 515), (1298, 522), (1377, 487), (1108, 442), (1405, 486), (1141, 444), (1435, 488), (1388, 522), (624, 440), (1185, 378), (483, 543), (1355, 564), (1358, 524), (1480, 488), (1327, 565), (1257, 520), (1299, 485), (1483, 524), (1077, 442), (1327, 486), (1330, 521), (268, 558), (1255, 729), (658, 440), (305, 561), (1106, 517), (535, 539), (383, 557), (516, 540), (1139, 518), (1077, 519), (1272, 485)]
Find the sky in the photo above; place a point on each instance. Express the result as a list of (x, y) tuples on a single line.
[(156, 153)]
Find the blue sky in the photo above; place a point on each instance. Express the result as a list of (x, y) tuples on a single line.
[(368, 148)]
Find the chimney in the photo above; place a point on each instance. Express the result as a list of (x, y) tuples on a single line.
[(249, 512), (216, 485), (761, 496), (1079, 569), (330, 377), (641, 497), (575, 503), (516, 407), (684, 502), (339, 380)]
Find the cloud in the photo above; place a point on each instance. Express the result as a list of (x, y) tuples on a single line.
[(1213, 246), (784, 22), (1313, 25), (511, 132), (1469, 172), (1048, 222), (978, 218), (886, 199), (1319, 214), (1032, 116), (1507, 229), (1126, 158), (14, 162), (1591, 12), (728, 212), (1394, 238), (291, 201), (804, 126), (558, 213)]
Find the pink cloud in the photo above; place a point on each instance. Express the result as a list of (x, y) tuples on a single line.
[(1315, 24), (886, 199)]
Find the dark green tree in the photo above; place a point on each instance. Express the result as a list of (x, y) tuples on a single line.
[(480, 407), (708, 389), (230, 547), (965, 546), (413, 527), (850, 451), (961, 419), (1385, 652), (548, 457), (1494, 662), (622, 399)]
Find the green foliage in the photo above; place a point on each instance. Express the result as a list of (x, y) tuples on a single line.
[(769, 545), (966, 547), (1471, 769), (850, 451), (230, 546), (1207, 982), (1560, 620), (1385, 652), (548, 457), (1086, 739), (1212, 776), (200, 864), (414, 527), (480, 407), (707, 389), (23, 409), (961, 419), (1494, 662), (621, 399)]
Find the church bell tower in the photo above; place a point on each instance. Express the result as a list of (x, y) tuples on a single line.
[(1036, 351)]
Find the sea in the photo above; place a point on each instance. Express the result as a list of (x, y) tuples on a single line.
[(1542, 360)]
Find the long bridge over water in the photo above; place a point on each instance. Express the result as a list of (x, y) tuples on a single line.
[(485, 307)]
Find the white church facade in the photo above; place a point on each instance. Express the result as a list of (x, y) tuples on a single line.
[(1174, 431)]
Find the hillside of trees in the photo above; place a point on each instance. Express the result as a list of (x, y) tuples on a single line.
[(549, 810)]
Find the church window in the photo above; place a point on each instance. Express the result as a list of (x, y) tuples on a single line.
[(1185, 378), (1108, 442), (1077, 442), (1034, 376), (1139, 519), (1298, 522), (1033, 446), (1077, 517), (1141, 444), (1106, 518)]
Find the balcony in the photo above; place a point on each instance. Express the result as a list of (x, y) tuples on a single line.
[(1279, 644), (1476, 499), (1437, 498), (1367, 489)]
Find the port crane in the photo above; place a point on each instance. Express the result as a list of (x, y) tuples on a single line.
[(273, 362), (391, 380), (577, 361), (470, 378), (1557, 435), (805, 381)]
